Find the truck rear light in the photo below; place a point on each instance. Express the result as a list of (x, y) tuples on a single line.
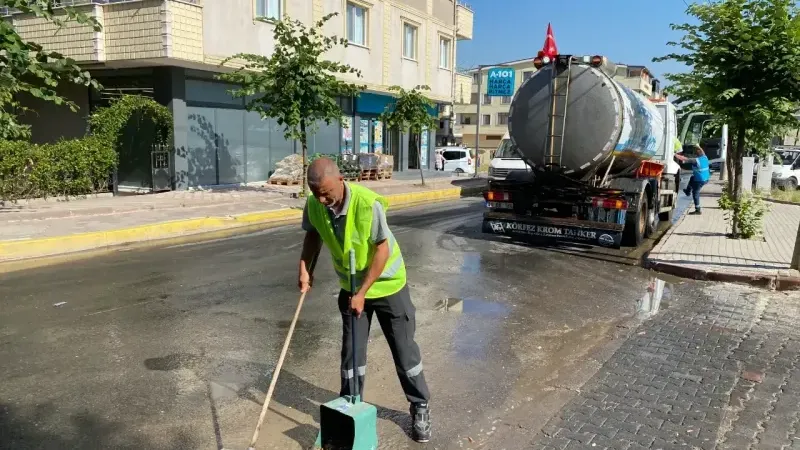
[(497, 196), (609, 203)]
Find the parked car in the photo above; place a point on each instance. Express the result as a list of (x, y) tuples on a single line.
[(457, 159)]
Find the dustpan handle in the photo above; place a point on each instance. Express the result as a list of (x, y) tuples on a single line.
[(356, 392)]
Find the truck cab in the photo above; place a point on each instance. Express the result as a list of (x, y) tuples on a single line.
[(506, 159), (701, 129)]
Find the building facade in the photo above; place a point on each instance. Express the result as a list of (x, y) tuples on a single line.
[(494, 110), (172, 50)]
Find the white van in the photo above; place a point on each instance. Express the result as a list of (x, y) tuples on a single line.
[(506, 159), (786, 168), (457, 159)]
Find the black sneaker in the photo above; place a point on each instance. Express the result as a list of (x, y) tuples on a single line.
[(421, 431), (696, 212), (687, 192)]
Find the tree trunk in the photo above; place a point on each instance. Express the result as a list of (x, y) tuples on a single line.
[(736, 162), (304, 145), (419, 158), (728, 165)]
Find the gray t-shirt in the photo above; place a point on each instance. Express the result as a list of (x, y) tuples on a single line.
[(380, 229)]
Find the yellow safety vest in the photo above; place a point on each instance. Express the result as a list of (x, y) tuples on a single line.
[(357, 229), (676, 143)]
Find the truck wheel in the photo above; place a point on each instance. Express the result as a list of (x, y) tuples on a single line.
[(636, 225), (652, 222)]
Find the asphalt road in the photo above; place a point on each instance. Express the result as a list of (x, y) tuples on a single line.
[(173, 348)]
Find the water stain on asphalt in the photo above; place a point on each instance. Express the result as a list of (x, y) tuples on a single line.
[(472, 306), (471, 264), (173, 361), (655, 298)]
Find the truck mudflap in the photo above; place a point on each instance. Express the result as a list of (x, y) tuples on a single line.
[(542, 229)]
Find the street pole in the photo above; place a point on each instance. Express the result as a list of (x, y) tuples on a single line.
[(723, 173), (796, 252), (478, 121)]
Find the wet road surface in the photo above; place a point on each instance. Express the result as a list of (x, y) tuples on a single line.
[(174, 347)]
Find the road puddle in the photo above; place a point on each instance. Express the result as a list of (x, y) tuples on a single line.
[(656, 297), (472, 306)]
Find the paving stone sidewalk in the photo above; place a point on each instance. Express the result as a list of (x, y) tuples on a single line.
[(698, 246), (718, 369), (50, 218)]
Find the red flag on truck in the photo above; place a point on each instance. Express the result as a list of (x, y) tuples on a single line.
[(550, 50)]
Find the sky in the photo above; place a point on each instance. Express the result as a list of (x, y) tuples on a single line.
[(626, 31)]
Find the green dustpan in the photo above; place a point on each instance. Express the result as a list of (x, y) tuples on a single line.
[(347, 422)]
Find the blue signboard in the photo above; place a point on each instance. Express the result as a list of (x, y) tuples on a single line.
[(501, 82)]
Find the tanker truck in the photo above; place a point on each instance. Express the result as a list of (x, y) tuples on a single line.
[(601, 158)]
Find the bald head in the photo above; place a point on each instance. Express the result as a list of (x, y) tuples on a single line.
[(320, 169), (326, 182)]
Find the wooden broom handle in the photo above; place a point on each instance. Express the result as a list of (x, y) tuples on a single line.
[(277, 372)]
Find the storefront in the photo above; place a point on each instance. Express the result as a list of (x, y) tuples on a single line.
[(219, 142), (372, 136)]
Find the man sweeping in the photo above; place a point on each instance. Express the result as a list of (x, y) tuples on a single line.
[(347, 216)]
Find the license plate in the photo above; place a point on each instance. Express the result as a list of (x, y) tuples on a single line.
[(500, 205)]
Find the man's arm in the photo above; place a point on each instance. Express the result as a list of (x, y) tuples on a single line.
[(379, 236), (376, 267), (312, 244)]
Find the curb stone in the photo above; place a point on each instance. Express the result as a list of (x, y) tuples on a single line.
[(780, 281), (17, 250)]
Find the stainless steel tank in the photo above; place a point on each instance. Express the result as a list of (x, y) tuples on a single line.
[(603, 119)]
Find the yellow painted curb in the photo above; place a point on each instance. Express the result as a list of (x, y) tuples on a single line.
[(32, 248)]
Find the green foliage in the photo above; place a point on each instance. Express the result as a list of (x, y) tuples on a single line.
[(67, 168), (111, 123), (26, 68), (409, 112), (747, 212), (744, 61), (744, 57), (295, 85)]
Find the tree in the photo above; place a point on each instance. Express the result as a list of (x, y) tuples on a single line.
[(26, 68), (410, 112), (295, 85), (744, 59)]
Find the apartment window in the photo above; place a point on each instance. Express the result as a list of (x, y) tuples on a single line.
[(356, 24), (409, 41), (486, 99), (487, 119), (526, 75), (475, 78), (466, 120), (445, 48), (505, 100), (502, 118), (269, 9), (473, 99)]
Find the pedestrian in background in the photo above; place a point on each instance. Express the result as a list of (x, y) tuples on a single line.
[(701, 173)]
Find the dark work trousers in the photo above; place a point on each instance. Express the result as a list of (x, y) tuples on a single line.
[(397, 317), (694, 188)]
